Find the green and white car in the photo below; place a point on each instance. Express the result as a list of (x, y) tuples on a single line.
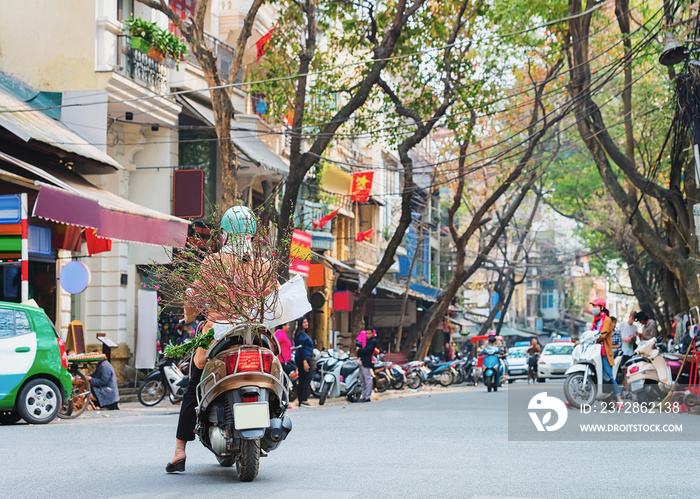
[(34, 380)]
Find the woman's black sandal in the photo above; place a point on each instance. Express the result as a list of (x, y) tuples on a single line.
[(177, 466)]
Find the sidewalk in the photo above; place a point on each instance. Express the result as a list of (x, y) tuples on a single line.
[(129, 405)]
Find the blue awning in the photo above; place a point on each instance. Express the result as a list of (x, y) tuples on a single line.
[(426, 290)]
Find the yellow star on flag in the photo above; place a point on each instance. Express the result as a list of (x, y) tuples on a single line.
[(361, 182)]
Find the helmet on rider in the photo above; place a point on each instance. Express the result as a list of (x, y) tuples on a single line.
[(237, 225), (598, 302), (492, 333), (598, 306)]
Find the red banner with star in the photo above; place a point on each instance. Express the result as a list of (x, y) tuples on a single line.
[(361, 186)]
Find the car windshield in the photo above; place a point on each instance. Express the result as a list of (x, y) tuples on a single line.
[(515, 353), (558, 350)]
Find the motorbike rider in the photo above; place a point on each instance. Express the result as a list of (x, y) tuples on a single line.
[(604, 325), (533, 353), (494, 341), (237, 220)]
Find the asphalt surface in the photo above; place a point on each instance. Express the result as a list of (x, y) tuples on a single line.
[(451, 443)]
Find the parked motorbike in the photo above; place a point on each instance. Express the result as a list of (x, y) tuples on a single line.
[(436, 372), (414, 374), (465, 370), (652, 373), (493, 368), (323, 361), (167, 378), (584, 380), (242, 399), (341, 379), (381, 376)]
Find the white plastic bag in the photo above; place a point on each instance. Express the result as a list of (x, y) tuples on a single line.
[(292, 303)]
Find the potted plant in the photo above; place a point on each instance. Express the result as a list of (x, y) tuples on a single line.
[(143, 34), (157, 43), (172, 47)]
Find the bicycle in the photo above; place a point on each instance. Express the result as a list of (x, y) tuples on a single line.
[(79, 399)]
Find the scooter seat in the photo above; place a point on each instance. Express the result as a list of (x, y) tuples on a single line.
[(670, 356)]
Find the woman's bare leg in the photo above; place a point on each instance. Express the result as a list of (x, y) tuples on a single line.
[(179, 450)]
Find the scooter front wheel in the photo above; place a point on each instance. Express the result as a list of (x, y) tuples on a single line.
[(324, 394), (382, 382), (414, 381), (577, 393), (152, 392), (446, 378)]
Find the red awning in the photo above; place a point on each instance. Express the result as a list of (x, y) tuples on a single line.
[(67, 197), (65, 207)]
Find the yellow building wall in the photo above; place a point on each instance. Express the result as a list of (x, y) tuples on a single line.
[(50, 44)]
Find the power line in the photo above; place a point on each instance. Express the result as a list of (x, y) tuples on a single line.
[(316, 73)]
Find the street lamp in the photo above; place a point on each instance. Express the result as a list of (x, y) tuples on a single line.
[(673, 51)]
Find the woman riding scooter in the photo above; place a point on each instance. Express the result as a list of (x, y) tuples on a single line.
[(236, 220), (603, 324)]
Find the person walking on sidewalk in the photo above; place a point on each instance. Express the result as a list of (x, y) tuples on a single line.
[(304, 358), (365, 354)]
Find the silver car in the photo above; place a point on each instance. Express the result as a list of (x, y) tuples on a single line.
[(516, 363)]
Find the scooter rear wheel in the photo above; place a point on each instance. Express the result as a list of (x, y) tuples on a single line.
[(248, 460)]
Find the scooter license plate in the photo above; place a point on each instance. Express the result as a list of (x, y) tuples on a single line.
[(251, 415), (637, 386)]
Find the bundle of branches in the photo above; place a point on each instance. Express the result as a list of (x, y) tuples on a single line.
[(230, 277), (201, 340)]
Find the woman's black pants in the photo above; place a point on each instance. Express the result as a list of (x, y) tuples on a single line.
[(304, 382), (188, 414)]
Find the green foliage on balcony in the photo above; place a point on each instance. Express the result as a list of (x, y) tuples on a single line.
[(151, 34)]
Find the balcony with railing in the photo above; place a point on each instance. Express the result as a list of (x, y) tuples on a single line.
[(224, 56), (141, 68), (367, 253)]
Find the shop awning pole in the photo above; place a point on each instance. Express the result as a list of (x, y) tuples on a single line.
[(25, 246)]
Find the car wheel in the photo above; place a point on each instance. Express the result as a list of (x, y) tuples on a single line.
[(9, 417), (541, 380), (39, 401)]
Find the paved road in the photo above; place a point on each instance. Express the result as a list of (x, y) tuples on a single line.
[(441, 444)]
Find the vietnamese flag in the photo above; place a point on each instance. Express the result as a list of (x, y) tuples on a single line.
[(361, 186), (261, 45), (365, 236), (95, 243), (324, 220)]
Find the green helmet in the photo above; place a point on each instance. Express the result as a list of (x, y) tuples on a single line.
[(239, 220)]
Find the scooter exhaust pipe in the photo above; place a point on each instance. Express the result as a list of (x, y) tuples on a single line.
[(276, 432)]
